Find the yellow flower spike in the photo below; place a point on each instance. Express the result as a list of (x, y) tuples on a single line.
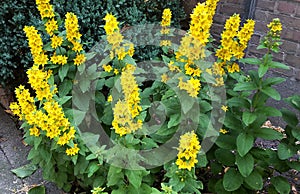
[(166, 18), (189, 147), (45, 9)]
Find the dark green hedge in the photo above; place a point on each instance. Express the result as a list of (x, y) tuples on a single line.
[(15, 55)]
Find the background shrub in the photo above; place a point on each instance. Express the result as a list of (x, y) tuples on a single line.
[(15, 54)]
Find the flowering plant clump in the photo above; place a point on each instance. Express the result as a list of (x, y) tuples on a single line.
[(173, 134)]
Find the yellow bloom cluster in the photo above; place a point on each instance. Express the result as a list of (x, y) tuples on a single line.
[(73, 36), (275, 26), (59, 59), (202, 19), (192, 86), (166, 18), (50, 117), (127, 110), (56, 41), (115, 38), (72, 151), (51, 26), (38, 79), (36, 45), (166, 21), (45, 8), (189, 147), (234, 41)]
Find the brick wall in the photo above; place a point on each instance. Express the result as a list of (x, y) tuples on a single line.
[(289, 13)]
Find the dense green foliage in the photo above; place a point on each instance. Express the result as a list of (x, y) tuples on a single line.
[(15, 54)]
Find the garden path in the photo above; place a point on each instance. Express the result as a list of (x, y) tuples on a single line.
[(13, 154)]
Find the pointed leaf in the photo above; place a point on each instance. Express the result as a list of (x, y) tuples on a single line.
[(245, 164), (232, 180), (244, 143)]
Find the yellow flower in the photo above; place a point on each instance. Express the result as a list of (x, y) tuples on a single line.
[(56, 41), (165, 43), (233, 68), (77, 46), (192, 86), (224, 108), (51, 26), (72, 27), (59, 59), (34, 131), (45, 9), (189, 147), (164, 78), (80, 58), (72, 151), (111, 24), (109, 98), (166, 17), (107, 68), (275, 26), (223, 131)]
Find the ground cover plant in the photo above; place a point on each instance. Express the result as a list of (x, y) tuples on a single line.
[(100, 122)]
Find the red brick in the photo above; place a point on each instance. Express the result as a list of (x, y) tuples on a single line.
[(230, 9), (261, 15), (266, 5), (289, 47), (287, 34), (279, 56), (293, 60), (261, 27), (296, 36), (287, 21), (298, 11), (255, 39), (286, 7)]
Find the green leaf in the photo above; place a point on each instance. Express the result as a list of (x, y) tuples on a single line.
[(238, 102), (294, 101), (115, 176), (273, 81), (174, 120), (225, 157), (268, 111), (226, 142), (296, 133), (255, 180), (105, 61), (244, 143), (275, 64), (25, 170), (248, 118), (245, 164), (273, 93), (232, 180), (93, 167), (286, 151), (253, 61), (65, 87), (289, 117), (63, 71), (37, 190), (204, 106), (281, 185), (134, 177), (110, 82), (129, 60), (262, 70), (268, 134), (78, 116), (245, 86)]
